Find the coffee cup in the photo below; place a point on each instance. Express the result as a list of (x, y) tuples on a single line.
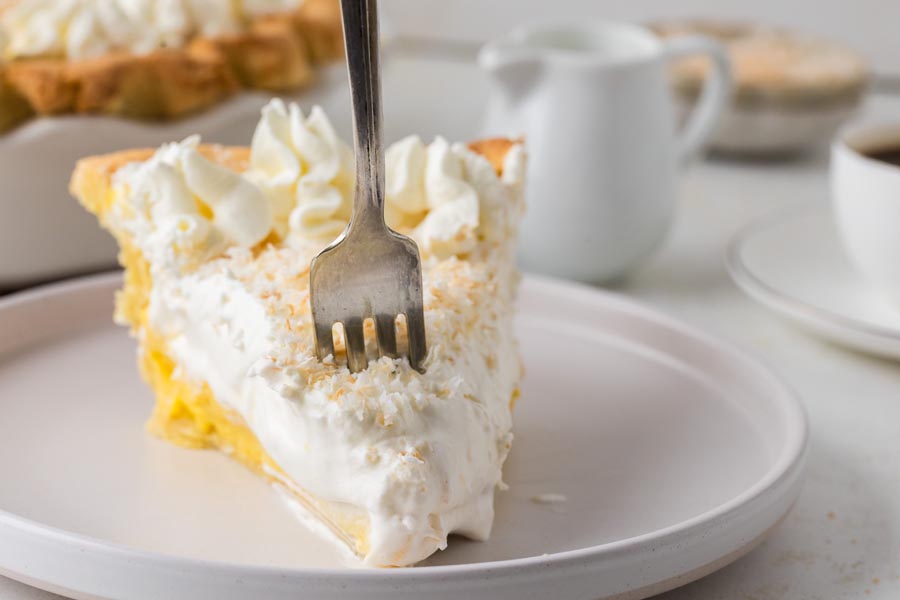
[(865, 184)]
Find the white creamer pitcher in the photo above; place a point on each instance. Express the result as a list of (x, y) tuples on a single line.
[(593, 102)]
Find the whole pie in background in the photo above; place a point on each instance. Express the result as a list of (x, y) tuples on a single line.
[(154, 59), (791, 90), (773, 65)]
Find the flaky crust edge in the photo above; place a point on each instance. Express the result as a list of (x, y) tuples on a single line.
[(276, 53)]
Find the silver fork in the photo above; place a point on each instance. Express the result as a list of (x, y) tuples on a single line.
[(370, 271)]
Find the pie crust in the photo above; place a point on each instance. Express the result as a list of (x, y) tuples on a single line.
[(275, 52)]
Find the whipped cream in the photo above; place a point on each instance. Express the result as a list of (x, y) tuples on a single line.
[(431, 192), (306, 170), (184, 209), (419, 456), (428, 189), (80, 29)]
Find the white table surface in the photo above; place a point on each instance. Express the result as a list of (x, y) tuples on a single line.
[(842, 540)]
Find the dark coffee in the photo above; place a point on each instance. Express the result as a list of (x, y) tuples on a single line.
[(888, 155)]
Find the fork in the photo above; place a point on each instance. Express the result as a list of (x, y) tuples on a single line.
[(370, 271)]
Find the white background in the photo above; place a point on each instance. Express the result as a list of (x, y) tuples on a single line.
[(870, 26)]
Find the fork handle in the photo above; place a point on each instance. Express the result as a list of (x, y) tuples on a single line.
[(360, 19)]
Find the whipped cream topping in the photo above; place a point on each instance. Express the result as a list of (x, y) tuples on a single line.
[(419, 456), (428, 191), (306, 170), (184, 209), (431, 192), (81, 29)]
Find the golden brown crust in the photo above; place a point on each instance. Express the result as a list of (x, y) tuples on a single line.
[(44, 84), (276, 52), (318, 24), (92, 176), (14, 107), (164, 84), (270, 57), (494, 150)]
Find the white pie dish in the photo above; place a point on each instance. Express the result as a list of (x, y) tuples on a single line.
[(773, 130), (676, 454)]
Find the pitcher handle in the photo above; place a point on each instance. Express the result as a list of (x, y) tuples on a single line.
[(716, 91)]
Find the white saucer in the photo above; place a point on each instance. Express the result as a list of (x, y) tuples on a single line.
[(794, 264), (675, 453)]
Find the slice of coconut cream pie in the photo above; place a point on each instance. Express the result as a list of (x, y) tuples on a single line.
[(217, 243)]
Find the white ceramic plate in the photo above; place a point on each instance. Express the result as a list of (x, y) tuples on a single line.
[(794, 264), (676, 454)]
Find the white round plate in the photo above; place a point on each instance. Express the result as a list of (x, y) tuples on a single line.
[(676, 454), (794, 264)]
